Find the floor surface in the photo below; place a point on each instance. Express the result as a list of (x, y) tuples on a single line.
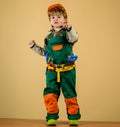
[(42, 123)]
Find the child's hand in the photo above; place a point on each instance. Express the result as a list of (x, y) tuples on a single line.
[(67, 26), (31, 43)]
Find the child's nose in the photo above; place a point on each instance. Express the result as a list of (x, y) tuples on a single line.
[(55, 18)]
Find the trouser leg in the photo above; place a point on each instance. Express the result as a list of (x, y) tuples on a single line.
[(51, 95), (72, 108), (68, 88), (50, 101)]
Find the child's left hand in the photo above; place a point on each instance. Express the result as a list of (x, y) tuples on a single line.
[(67, 26)]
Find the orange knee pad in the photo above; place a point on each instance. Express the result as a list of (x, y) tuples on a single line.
[(51, 104), (72, 105)]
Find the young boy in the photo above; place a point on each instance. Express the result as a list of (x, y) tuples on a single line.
[(61, 73)]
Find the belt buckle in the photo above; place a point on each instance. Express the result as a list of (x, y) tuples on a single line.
[(58, 66)]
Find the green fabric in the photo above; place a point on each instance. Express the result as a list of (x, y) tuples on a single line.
[(68, 78), (52, 116), (59, 56), (74, 117), (67, 84)]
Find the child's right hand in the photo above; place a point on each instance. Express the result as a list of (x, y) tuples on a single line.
[(31, 43)]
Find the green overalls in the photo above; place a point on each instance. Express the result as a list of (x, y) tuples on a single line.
[(59, 49)]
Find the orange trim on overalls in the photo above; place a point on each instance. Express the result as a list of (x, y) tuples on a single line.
[(50, 101), (72, 105)]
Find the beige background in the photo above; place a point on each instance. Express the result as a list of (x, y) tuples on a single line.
[(22, 72)]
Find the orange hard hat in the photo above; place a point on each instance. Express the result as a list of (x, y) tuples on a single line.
[(51, 7)]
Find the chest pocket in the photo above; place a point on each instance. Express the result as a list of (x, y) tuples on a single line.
[(57, 47)]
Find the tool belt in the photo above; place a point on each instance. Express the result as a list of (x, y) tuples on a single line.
[(60, 68)]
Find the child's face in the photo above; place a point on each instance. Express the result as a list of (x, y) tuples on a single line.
[(57, 20)]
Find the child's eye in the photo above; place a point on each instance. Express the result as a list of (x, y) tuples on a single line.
[(59, 16), (53, 17)]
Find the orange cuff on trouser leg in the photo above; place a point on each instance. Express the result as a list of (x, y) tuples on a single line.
[(72, 106), (50, 101)]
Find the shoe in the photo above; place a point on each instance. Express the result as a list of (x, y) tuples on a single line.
[(73, 122), (51, 122)]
